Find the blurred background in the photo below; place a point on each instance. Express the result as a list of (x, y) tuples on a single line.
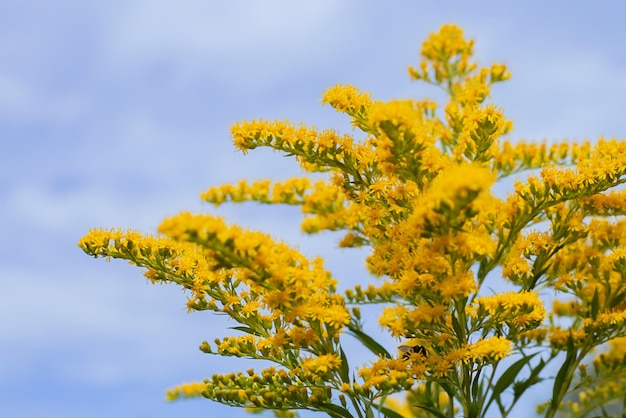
[(117, 113)]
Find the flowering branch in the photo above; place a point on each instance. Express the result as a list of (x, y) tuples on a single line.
[(420, 191)]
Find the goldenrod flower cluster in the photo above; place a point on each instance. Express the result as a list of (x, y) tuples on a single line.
[(271, 389), (416, 187)]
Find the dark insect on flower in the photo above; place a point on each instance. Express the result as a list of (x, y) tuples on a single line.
[(407, 350)]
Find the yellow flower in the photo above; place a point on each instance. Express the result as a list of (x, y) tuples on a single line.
[(561, 338), (488, 350), (186, 390), (569, 308), (457, 285), (481, 128), (393, 320), (322, 364), (519, 310), (607, 319), (336, 316), (401, 407), (347, 98)]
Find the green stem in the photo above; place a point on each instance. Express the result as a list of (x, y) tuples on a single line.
[(467, 390)]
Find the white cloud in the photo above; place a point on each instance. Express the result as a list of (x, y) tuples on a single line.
[(565, 94), (251, 44), (199, 27), (26, 103), (102, 327)]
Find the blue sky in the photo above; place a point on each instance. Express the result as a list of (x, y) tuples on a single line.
[(117, 113)]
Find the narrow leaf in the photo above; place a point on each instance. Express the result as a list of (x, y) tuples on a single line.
[(476, 385), (604, 413), (389, 413), (456, 326), (559, 380), (345, 368), (509, 375), (336, 410), (247, 330), (595, 305), (369, 342), (520, 387), (433, 411)]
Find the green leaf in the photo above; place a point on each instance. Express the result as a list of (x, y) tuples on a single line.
[(595, 304), (509, 375), (335, 410), (448, 388), (476, 385), (389, 413), (433, 411), (345, 368), (247, 330), (478, 395), (604, 413), (474, 409), (559, 380), (520, 387), (368, 342), (456, 326)]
